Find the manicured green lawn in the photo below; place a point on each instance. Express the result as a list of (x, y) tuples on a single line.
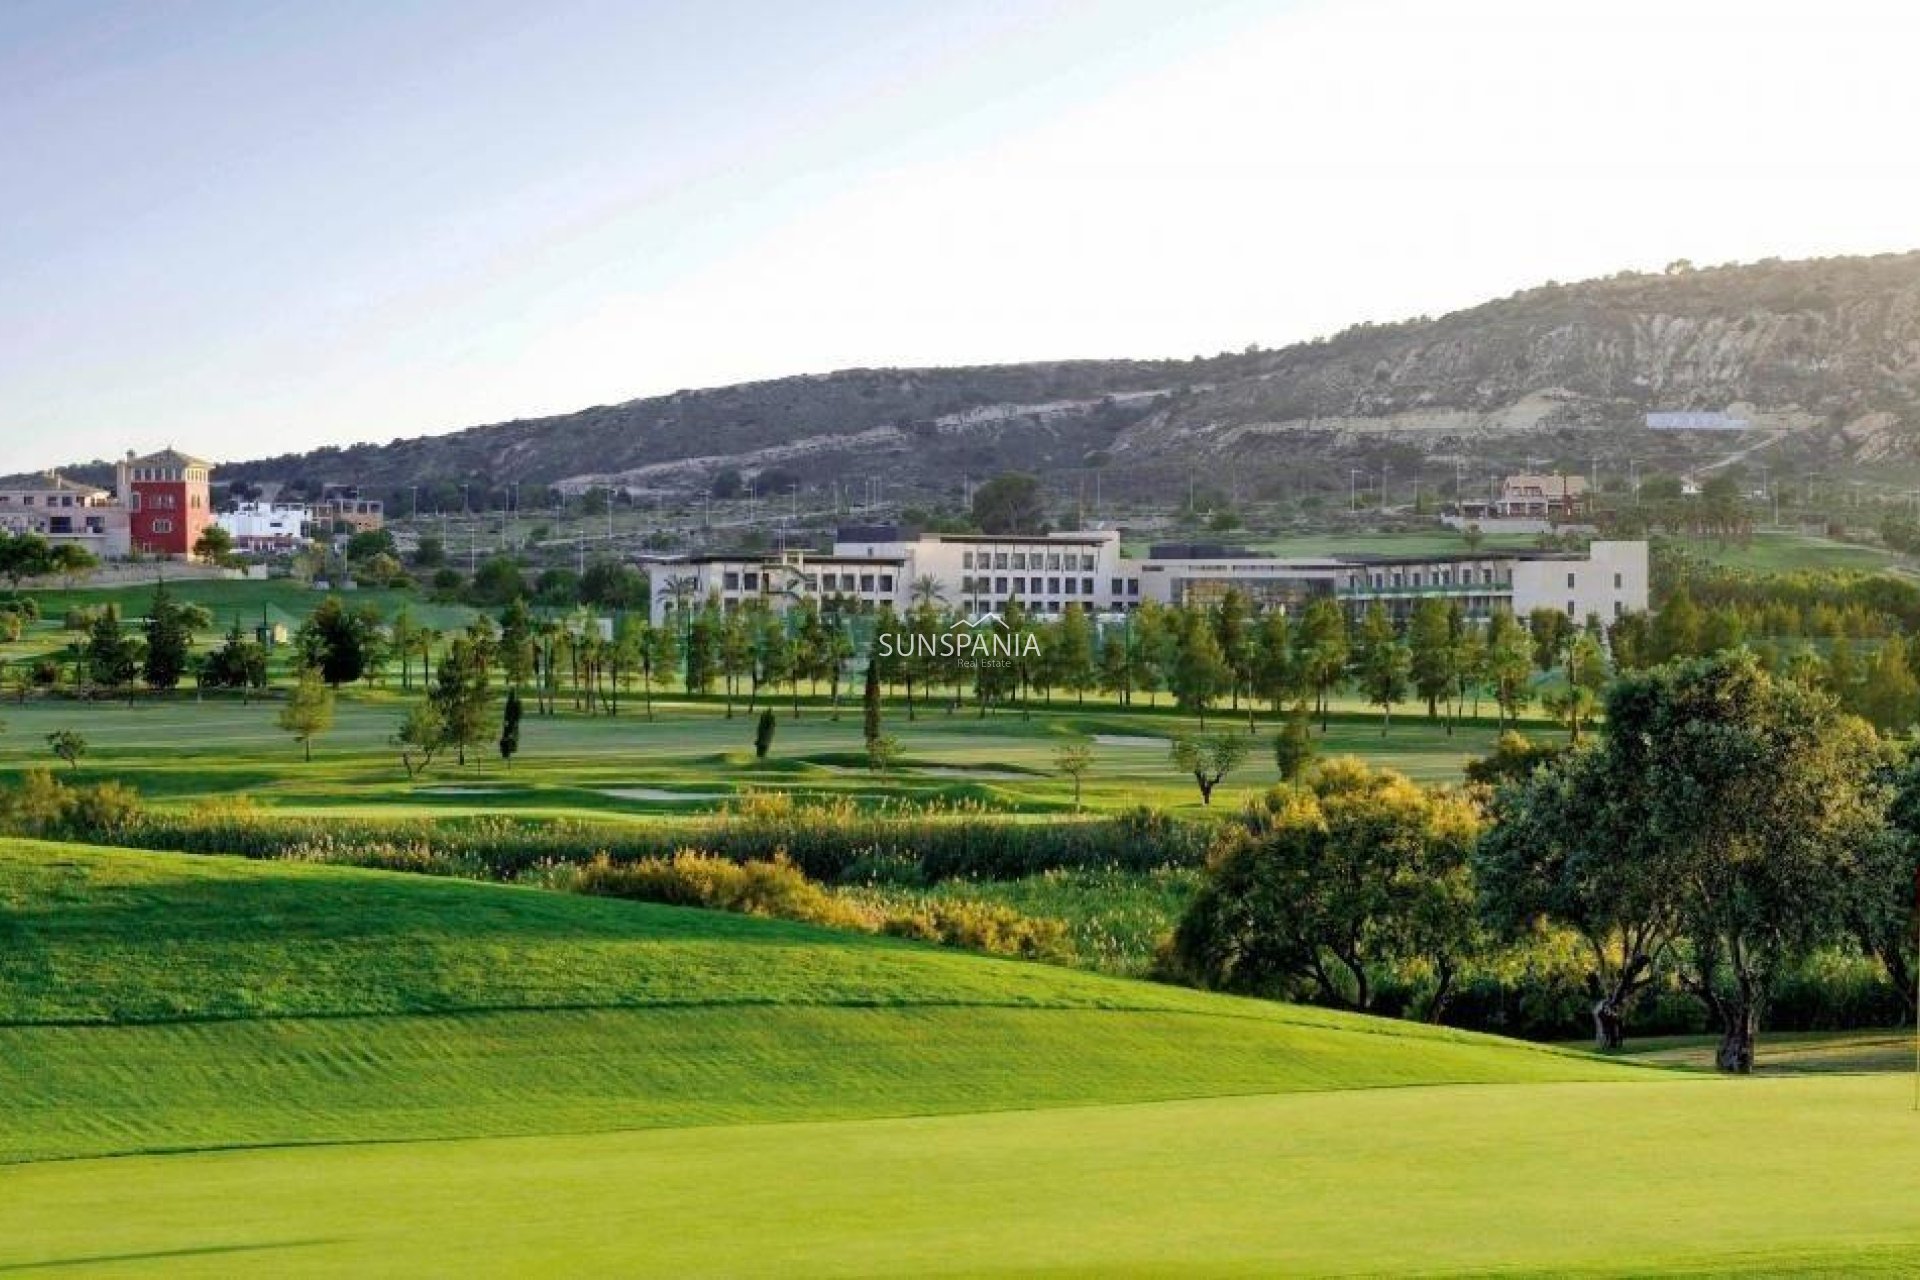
[(283, 600), (1436, 542), (688, 759), (158, 1001), (317, 1070), (1772, 551), (1704, 1176)]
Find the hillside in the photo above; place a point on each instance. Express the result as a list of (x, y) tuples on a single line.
[(248, 1003), (336, 1072), (1822, 356)]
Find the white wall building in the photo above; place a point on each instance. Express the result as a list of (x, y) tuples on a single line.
[(265, 526), (972, 573)]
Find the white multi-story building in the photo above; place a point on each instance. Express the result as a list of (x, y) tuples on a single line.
[(973, 573), (265, 526), (779, 580)]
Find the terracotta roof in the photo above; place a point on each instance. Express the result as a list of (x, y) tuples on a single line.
[(169, 457), (1544, 486), (47, 482)]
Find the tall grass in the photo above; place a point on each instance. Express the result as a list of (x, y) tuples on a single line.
[(778, 889), (1115, 920), (830, 840)]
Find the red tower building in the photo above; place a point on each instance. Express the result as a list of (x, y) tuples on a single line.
[(167, 501)]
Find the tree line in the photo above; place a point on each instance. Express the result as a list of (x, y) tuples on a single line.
[(1725, 823)]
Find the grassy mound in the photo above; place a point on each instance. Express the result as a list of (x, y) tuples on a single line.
[(156, 1001), (1697, 1176)]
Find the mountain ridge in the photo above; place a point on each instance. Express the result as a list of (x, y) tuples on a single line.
[(1822, 355)]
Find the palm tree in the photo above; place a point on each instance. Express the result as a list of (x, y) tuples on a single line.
[(424, 638), (926, 590), (681, 590), (547, 633)]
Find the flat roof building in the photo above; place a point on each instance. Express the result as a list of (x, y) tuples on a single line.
[(973, 573), (265, 526), (65, 511)]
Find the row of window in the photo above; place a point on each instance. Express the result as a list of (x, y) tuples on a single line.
[(1054, 560), (1444, 578), (52, 500), (166, 501), (165, 475), (1437, 578), (1033, 586), (829, 583), (1051, 608), (826, 583)]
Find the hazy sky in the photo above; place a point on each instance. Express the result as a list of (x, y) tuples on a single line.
[(243, 228)]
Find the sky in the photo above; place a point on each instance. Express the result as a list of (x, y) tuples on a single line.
[(247, 228)]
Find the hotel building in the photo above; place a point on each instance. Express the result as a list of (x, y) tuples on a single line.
[(973, 573)]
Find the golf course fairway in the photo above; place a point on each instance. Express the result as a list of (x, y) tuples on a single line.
[(211, 1066)]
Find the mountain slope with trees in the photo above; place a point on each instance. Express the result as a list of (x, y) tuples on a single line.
[(1822, 356)]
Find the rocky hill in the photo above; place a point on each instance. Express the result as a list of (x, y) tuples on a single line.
[(1822, 357)]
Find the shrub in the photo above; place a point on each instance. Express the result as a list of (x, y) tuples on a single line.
[(690, 878), (890, 867), (982, 926), (778, 890), (43, 806), (824, 839), (103, 811), (36, 806)]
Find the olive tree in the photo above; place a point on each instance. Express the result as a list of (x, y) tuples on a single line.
[(1332, 884), (1209, 759), (1724, 820)]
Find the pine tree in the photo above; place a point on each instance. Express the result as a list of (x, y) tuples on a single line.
[(703, 638), (1431, 642), (1509, 665), (460, 694), (1073, 643), (308, 712), (735, 653), (112, 656), (1276, 675), (510, 728), (1384, 665), (870, 703), (1321, 648), (1199, 669), (1233, 634), (169, 642), (515, 646)]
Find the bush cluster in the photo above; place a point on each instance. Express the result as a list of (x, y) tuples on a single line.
[(834, 841), (689, 878), (43, 806), (775, 888)]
